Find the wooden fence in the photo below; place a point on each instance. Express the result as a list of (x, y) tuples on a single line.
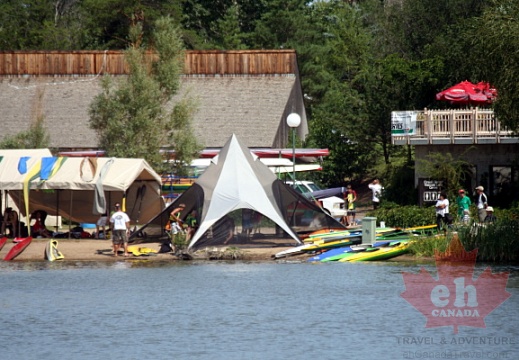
[(63, 63), (456, 126)]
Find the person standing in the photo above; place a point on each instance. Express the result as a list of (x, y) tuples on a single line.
[(463, 203), (442, 209), (101, 226), (350, 196), (175, 219), (481, 203), (376, 189), (10, 222), (120, 224), (246, 222)]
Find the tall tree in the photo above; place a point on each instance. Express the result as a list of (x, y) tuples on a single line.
[(131, 116), (496, 56)]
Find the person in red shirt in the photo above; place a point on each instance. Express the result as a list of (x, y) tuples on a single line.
[(38, 229)]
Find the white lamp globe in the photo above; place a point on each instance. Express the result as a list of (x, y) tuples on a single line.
[(293, 120)]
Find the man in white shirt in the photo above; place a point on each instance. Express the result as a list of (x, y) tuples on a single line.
[(442, 209), (120, 224), (376, 188), (481, 203)]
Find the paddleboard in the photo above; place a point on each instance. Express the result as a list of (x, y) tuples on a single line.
[(51, 251), (330, 233), (327, 244), (329, 253), (18, 248), (325, 231), (3, 241), (292, 251)]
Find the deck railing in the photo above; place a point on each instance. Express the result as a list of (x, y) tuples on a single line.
[(468, 126)]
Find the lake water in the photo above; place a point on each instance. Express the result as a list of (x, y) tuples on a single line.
[(217, 310)]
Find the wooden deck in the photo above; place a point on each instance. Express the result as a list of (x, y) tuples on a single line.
[(468, 126)]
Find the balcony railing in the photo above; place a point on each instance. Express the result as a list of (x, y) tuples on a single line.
[(469, 126)]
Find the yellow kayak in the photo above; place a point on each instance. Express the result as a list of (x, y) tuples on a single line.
[(380, 253)]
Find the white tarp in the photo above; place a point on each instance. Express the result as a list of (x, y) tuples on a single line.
[(238, 186), (71, 191)]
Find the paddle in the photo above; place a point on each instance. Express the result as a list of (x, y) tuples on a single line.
[(136, 199), (143, 192)]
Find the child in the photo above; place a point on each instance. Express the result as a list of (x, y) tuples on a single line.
[(466, 216)]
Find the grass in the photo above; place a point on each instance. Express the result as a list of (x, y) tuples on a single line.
[(426, 246), (497, 242)]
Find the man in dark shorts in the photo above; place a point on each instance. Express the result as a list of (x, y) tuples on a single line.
[(120, 224)]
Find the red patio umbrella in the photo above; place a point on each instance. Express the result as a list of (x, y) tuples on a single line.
[(468, 93)]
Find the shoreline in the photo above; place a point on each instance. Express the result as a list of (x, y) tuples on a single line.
[(101, 250)]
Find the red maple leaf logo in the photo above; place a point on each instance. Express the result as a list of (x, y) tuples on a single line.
[(455, 299)]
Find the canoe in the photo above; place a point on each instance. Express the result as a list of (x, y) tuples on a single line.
[(51, 251), (18, 248), (380, 253), (3, 241)]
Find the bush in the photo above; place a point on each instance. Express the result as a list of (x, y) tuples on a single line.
[(404, 216)]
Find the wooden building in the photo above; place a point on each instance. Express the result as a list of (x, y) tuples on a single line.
[(474, 135), (249, 93)]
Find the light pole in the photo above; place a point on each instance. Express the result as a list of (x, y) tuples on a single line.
[(294, 120)]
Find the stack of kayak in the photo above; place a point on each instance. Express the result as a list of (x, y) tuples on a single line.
[(378, 251), (346, 245), (323, 241)]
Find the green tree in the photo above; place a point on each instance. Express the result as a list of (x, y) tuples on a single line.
[(36, 137), (497, 56), (130, 115)]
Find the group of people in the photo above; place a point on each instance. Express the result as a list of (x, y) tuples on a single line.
[(350, 198), (485, 212), (13, 227)]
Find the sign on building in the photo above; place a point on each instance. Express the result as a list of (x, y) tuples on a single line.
[(429, 190), (403, 123)]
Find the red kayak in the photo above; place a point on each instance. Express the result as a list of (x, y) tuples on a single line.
[(2, 242), (18, 248)]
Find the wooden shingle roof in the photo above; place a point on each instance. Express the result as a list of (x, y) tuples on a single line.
[(247, 103)]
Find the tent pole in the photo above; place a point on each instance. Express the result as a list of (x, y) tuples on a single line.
[(70, 215), (57, 209)]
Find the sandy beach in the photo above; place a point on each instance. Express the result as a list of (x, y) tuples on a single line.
[(100, 250)]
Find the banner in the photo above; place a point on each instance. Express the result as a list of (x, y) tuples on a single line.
[(403, 123)]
